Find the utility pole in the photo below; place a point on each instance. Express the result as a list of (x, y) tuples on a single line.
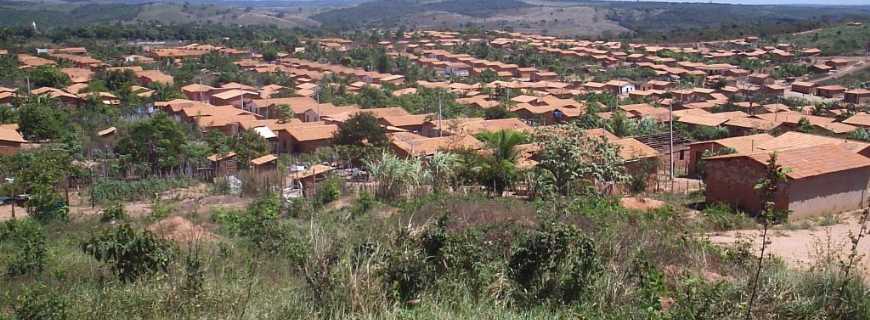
[(671, 143), (317, 96), (440, 117)]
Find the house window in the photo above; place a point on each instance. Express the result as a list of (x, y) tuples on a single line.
[(682, 154)]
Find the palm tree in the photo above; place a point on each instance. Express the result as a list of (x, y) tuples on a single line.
[(498, 170)]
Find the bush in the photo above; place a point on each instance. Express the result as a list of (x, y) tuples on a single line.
[(111, 190), (48, 206), (260, 225), (554, 264), (130, 254), (328, 191), (363, 204), (40, 304), (721, 217), (27, 239), (114, 212)]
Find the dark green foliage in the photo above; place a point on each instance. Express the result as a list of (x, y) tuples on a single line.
[(328, 191), (555, 264), (790, 70), (362, 128), (386, 11), (804, 125), (114, 212), (117, 81), (721, 217), (26, 239), (260, 224), (157, 142), (406, 272), (860, 134), (111, 190), (499, 112), (194, 276), (43, 119), (48, 206), (41, 304), (363, 204), (130, 254), (270, 54), (48, 76), (249, 145)]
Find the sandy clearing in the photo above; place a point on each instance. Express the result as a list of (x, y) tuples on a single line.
[(803, 249)]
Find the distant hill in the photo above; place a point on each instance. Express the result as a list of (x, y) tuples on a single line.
[(653, 20), (662, 21), (393, 12), (71, 13)]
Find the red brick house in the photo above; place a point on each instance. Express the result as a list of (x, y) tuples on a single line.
[(822, 179)]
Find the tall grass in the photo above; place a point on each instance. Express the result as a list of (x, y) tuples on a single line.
[(440, 257)]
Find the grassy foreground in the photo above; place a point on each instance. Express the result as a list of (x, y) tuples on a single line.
[(444, 256)]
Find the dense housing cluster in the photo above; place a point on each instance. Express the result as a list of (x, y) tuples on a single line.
[(387, 173)]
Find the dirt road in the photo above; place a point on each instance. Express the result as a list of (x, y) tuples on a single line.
[(806, 248)]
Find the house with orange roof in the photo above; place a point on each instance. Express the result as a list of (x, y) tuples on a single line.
[(154, 76), (10, 139), (831, 91), (234, 97), (406, 144), (857, 96), (78, 75), (305, 138), (821, 179), (28, 61), (197, 92), (54, 93), (739, 144)]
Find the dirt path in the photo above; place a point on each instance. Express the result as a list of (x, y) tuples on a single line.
[(805, 248), (856, 64), (195, 199)]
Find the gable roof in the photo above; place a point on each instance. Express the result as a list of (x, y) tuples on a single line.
[(10, 134), (312, 133), (810, 161), (632, 149)]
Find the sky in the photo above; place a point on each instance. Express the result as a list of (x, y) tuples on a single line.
[(828, 2)]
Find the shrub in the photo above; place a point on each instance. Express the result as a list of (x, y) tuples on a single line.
[(114, 212), (555, 264), (328, 191), (27, 239), (110, 190), (363, 204), (47, 206), (721, 217), (130, 254), (406, 272), (40, 304)]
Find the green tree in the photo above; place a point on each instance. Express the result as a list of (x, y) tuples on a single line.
[(158, 142), (488, 76), (27, 238), (249, 145), (130, 254), (42, 119), (48, 76), (571, 156), (443, 167), (804, 125), (362, 128), (118, 80), (394, 176), (284, 113), (498, 170), (768, 188), (270, 54)]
